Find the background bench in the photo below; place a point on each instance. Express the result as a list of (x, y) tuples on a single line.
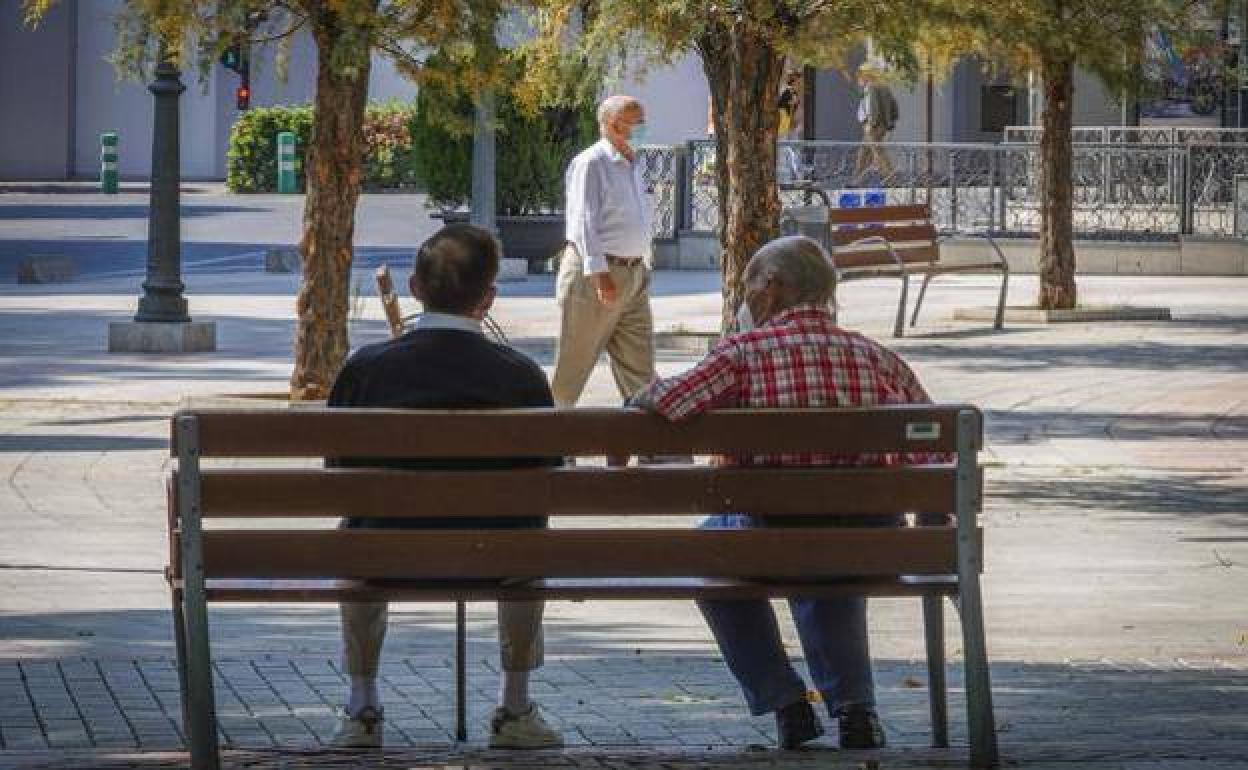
[(239, 466), (890, 241)]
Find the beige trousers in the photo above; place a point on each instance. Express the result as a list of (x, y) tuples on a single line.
[(520, 644), (587, 328), (871, 153)]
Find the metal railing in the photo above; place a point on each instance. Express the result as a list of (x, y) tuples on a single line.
[(1121, 191), (1134, 134)]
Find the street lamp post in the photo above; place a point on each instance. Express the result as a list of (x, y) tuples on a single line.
[(162, 324), (162, 298)]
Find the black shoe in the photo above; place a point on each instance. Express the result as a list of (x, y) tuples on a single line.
[(860, 728), (796, 724)]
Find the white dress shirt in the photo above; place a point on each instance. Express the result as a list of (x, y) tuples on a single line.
[(433, 320), (604, 210)]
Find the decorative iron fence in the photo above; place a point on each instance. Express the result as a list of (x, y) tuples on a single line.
[(1134, 134), (1121, 191)]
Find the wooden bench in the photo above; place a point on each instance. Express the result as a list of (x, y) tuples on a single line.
[(238, 470), (897, 241)]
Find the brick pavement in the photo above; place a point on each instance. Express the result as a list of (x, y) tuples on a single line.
[(1115, 578), (643, 702)]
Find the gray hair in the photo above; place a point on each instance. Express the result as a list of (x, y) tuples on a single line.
[(613, 105), (800, 264)]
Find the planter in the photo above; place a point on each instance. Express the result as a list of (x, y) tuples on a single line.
[(535, 239)]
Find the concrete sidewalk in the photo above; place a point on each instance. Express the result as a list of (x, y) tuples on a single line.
[(1115, 582)]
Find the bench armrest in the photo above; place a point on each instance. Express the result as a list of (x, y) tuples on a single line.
[(887, 245)]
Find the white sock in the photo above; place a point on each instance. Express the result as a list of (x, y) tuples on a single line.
[(514, 692), (363, 694)]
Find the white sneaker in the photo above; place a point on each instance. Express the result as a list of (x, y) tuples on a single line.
[(522, 731), (362, 731)]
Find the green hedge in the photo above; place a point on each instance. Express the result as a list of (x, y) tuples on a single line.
[(427, 146), (389, 158)]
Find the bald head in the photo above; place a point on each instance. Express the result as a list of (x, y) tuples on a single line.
[(798, 266)]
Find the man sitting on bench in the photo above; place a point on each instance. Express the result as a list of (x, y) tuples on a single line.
[(445, 362), (789, 353)]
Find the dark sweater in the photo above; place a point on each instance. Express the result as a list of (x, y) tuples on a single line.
[(441, 369)]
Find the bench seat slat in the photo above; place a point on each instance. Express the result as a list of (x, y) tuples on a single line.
[(543, 432), (804, 553), (577, 491), (313, 590)]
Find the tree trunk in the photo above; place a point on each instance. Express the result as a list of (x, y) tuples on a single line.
[(744, 70), (333, 171), (1057, 248)]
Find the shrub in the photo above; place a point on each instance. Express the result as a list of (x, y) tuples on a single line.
[(532, 152), (252, 157), (389, 159)]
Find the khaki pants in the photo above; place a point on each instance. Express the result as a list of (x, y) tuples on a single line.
[(871, 153), (587, 328), (520, 643)]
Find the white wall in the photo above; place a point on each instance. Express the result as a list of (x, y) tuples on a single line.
[(35, 91), (676, 100)]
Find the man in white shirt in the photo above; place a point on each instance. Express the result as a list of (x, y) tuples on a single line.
[(603, 289)]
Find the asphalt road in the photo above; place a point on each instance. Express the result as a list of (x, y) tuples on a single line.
[(107, 235)]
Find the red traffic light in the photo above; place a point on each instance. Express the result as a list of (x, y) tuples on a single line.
[(243, 97)]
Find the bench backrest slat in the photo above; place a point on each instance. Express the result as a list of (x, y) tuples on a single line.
[(907, 229), (381, 554), (312, 432), (367, 492), (898, 234), (918, 212), (881, 257)]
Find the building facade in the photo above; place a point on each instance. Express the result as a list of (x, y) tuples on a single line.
[(59, 92)]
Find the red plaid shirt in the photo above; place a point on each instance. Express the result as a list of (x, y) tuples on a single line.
[(798, 359)]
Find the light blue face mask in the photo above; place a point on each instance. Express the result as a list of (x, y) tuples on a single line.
[(638, 135)]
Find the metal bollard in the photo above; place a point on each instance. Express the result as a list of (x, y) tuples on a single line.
[(108, 162), (286, 163)]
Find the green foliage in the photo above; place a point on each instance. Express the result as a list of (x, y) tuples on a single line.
[(533, 149), (389, 152), (251, 161)]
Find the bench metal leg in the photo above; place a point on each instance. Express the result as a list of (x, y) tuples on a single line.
[(980, 722), (202, 723), (461, 674), (179, 641), (934, 636), (918, 302), (999, 322), (899, 328), (201, 708)]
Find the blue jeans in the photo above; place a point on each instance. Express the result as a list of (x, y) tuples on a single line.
[(833, 632)]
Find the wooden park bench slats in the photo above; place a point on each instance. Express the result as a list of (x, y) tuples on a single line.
[(904, 250), (648, 491), (585, 553), (901, 233), (915, 212), (888, 241), (212, 563), (334, 590), (381, 433)]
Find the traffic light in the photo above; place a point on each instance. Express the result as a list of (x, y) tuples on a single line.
[(242, 97), (232, 58)]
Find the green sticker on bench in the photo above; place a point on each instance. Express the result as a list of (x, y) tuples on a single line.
[(922, 431)]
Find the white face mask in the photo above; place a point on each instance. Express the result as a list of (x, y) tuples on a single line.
[(638, 135), (745, 317)]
